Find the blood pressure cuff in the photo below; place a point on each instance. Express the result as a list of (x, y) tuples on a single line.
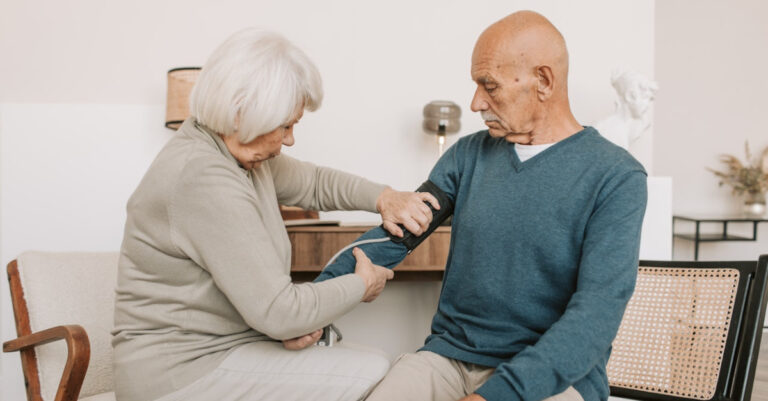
[(410, 240)]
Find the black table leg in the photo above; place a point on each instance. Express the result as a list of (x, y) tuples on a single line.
[(696, 243)]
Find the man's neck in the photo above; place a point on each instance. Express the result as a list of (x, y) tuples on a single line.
[(553, 130)]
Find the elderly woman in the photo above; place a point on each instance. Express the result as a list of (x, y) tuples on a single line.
[(203, 284)]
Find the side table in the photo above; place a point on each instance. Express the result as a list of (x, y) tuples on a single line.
[(723, 220)]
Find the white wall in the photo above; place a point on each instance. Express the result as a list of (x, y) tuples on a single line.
[(82, 87), (711, 64), (381, 61)]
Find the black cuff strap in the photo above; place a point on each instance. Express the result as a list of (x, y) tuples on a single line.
[(410, 240)]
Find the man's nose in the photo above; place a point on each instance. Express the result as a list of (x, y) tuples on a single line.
[(478, 101)]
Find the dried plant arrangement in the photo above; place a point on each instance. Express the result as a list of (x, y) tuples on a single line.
[(748, 179)]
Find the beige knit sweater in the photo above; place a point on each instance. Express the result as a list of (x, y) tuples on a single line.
[(205, 261)]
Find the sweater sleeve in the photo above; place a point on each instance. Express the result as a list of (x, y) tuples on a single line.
[(311, 187), (387, 254), (216, 222), (574, 344), (390, 254)]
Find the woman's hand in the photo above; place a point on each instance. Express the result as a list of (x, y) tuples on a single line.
[(375, 276), (406, 208), (302, 342)]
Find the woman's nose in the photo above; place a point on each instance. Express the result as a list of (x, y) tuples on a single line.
[(288, 139)]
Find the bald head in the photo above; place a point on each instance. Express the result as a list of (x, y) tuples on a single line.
[(520, 64), (526, 40)]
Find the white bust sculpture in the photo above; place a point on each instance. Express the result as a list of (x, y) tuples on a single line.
[(631, 118)]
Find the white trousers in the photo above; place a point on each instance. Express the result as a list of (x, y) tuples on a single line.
[(265, 371)]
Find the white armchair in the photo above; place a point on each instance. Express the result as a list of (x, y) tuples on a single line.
[(70, 297)]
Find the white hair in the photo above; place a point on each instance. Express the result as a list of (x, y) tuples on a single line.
[(253, 83)]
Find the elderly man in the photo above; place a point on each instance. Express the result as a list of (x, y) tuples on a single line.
[(545, 238)]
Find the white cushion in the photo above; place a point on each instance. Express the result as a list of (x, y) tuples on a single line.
[(71, 288), (100, 397)]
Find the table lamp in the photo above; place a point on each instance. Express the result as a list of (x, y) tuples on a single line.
[(180, 84), (441, 117)]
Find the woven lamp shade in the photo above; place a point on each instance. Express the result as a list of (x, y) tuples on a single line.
[(180, 83)]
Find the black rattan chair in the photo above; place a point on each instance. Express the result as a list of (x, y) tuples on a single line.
[(691, 331)]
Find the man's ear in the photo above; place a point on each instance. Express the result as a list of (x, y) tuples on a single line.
[(546, 82)]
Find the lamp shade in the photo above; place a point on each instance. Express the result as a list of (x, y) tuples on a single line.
[(442, 116), (180, 84)]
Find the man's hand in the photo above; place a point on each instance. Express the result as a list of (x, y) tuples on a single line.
[(302, 342), (472, 397), (374, 276), (406, 208)]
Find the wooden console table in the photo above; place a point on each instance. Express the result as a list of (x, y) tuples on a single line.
[(312, 246)]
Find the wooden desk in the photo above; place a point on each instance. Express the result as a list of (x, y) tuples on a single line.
[(312, 246)]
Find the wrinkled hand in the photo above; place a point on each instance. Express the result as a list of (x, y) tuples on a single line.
[(302, 342), (406, 208), (374, 276), (472, 397)]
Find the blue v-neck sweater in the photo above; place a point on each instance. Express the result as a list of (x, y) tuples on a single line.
[(542, 261)]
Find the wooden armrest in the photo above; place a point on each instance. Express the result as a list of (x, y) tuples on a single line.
[(74, 334), (78, 355)]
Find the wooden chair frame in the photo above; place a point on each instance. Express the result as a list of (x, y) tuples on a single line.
[(737, 372), (78, 346)]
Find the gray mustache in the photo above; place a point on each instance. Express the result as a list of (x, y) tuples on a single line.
[(488, 116)]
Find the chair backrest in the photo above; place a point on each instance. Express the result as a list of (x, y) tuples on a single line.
[(55, 289), (691, 331)]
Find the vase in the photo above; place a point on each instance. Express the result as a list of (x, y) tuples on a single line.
[(754, 204)]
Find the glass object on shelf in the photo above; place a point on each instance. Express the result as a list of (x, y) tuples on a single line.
[(441, 117)]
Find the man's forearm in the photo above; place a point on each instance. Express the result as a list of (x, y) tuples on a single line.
[(387, 254)]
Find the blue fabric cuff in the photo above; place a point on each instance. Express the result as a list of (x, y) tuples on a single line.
[(387, 254)]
